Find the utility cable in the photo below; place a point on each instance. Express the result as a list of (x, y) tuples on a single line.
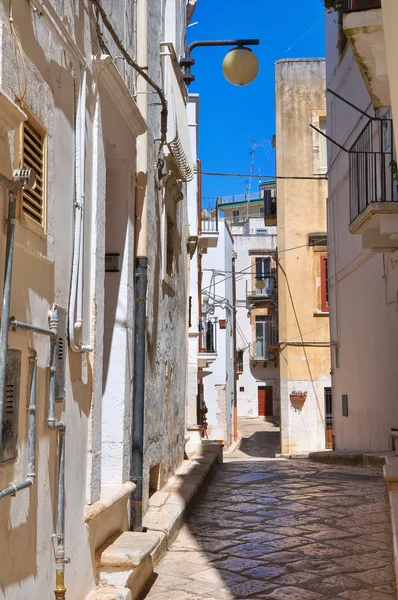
[(273, 253), (140, 70), (20, 51), (245, 176), (301, 335)]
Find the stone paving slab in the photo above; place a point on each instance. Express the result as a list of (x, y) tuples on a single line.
[(283, 530)]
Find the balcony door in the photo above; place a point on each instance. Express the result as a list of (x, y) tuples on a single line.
[(263, 272)]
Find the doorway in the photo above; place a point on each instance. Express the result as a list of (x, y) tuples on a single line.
[(265, 401), (328, 418)]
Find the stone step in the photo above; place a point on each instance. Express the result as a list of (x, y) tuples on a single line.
[(110, 593), (125, 561)]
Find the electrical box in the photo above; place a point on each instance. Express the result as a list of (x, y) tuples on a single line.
[(112, 261), (11, 406), (62, 352)]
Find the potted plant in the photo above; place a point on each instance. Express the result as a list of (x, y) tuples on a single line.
[(336, 5), (297, 399)]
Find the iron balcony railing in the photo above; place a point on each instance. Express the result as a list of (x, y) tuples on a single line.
[(209, 336), (263, 293), (354, 5), (210, 220), (372, 167), (266, 339)]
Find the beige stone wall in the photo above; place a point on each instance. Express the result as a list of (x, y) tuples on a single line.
[(300, 100)]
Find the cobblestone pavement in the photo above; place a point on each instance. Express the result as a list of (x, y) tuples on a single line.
[(283, 530)]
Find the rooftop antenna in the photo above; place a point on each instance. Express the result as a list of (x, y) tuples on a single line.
[(252, 161)]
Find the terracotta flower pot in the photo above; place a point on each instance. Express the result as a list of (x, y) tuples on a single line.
[(297, 399)]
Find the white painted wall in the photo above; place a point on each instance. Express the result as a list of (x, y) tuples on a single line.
[(246, 239), (219, 386), (193, 332), (99, 385), (363, 291)]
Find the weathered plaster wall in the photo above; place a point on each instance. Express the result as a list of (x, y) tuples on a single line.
[(99, 385), (219, 386), (300, 97), (167, 310), (363, 285)]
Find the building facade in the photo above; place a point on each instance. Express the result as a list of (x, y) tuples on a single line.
[(303, 310), (362, 222), (217, 330), (256, 299), (109, 209)]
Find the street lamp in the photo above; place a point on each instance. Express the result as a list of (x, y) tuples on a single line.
[(240, 65)]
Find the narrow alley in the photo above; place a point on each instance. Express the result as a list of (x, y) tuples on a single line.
[(282, 529)]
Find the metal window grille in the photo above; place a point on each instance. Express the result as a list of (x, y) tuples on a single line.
[(371, 159), (266, 336)]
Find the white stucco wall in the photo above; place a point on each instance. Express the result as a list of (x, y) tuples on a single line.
[(219, 386), (363, 290), (98, 385), (247, 240)]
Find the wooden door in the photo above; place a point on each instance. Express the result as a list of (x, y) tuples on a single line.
[(269, 401), (261, 401), (328, 418)]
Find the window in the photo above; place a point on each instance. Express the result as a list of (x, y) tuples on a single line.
[(32, 155), (263, 324), (239, 361), (261, 211), (241, 389), (323, 157), (263, 272), (324, 285), (235, 215)]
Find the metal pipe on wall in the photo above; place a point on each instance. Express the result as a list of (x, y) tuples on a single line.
[(5, 312), (141, 280), (13, 488), (234, 309)]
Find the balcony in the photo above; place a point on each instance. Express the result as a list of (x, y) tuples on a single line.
[(374, 187), (267, 293), (209, 229), (208, 353), (269, 208), (266, 344), (363, 26)]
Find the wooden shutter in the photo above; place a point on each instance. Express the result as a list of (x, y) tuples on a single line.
[(324, 285), (33, 157)]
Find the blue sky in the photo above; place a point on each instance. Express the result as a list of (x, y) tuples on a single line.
[(231, 117)]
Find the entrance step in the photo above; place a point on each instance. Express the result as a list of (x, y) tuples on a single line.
[(126, 561), (110, 593), (364, 459)]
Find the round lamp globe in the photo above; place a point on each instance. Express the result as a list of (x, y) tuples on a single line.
[(240, 66)]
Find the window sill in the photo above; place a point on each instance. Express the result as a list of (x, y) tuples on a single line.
[(319, 313)]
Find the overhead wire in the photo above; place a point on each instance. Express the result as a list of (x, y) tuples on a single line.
[(273, 253), (20, 52), (271, 177)]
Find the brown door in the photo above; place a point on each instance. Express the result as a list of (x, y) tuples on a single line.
[(261, 401), (269, 401), (328, 418)]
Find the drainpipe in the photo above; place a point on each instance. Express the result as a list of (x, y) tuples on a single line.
[(235, 349), (141, 279), (13, 488), (59, 536), (5, 313)]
